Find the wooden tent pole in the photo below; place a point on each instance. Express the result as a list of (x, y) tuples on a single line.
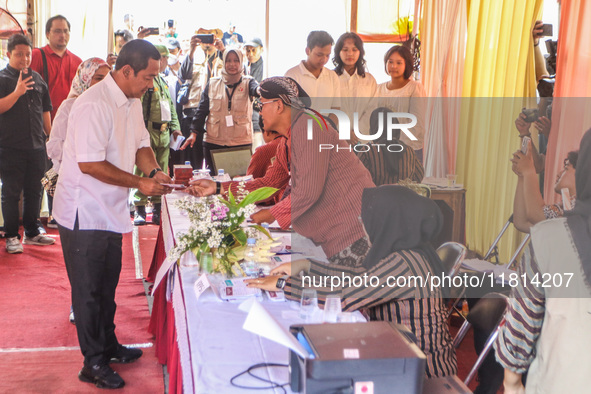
[(354, 7)]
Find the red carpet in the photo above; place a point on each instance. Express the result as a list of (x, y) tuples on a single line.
[(34, 314), (147, 236)]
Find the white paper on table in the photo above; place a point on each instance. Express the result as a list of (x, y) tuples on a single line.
[(201, 284), (259, 321)]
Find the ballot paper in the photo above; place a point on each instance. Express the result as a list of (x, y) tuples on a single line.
[(259, 321), (175, 143), (236, 289)]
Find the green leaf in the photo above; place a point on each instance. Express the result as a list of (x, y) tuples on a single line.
[(240, 236), (262, 230), (231, 197), (257, 195)]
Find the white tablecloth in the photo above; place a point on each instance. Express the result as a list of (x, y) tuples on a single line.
[(213, 346)]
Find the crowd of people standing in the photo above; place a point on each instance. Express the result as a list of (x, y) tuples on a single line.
[(110, 125)]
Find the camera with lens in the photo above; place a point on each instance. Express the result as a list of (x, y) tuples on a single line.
[(531, 114)]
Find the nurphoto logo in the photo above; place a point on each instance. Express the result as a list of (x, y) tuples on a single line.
[(345, 130)]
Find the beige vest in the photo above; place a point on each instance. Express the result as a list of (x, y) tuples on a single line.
[(217, 130), (197, 83), (563, 350)]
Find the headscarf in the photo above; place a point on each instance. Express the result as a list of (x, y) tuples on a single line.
[(579, 219), (390, 158), (287, 90), (232, 79), (396, 218), (84, 75)]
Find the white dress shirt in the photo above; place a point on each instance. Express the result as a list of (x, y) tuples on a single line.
[(357, 93), (103, 125), (325, 90)]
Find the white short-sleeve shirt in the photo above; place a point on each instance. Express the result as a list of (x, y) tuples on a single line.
[(411, 99), (104, 125), (326, 86)]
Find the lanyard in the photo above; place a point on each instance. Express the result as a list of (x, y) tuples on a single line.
[(230, 95)]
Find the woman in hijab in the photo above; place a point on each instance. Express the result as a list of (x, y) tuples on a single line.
[(322, 200), (399, 225), (549, 315), (225, 110), (394, 161), (90, 72)]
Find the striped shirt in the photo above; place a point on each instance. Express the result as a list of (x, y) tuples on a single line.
[(326, 186), (410, 304), (409, 166), (516, 343)]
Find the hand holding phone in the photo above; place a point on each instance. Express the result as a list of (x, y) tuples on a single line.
[(204, 38), (26, 73), (547, 30), (25, 83)]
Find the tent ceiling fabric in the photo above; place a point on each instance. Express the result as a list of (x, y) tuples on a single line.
[(8, 25)]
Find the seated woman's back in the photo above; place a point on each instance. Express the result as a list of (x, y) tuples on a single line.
[(400, 224)]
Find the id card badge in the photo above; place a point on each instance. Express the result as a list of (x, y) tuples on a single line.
[(229, 121), (165, 111)]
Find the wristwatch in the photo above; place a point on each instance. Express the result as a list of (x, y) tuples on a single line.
[(280, 283), (218, 187), (154, 171)]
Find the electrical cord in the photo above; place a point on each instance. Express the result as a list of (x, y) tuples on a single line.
[(250, 370)]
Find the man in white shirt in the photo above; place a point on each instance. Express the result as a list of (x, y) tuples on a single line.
[(106, 137), (321, 84)]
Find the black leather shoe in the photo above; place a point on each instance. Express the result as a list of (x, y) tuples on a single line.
[(156, 209), (102, 376), (125, 355)]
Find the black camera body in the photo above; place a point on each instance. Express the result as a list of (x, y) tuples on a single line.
[(531, 114)]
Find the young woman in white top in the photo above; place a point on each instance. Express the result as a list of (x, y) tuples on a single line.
[(358, 86), (403, 94)]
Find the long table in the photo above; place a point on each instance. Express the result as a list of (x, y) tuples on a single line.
[(202, 341), (208, 331)]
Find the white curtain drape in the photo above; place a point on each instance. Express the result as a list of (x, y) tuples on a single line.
[(90, 24), (443, 36)]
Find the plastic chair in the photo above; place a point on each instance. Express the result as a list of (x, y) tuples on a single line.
[(488, 314), (452, 255)]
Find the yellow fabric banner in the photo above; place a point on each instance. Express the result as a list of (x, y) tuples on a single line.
[(499, 71)]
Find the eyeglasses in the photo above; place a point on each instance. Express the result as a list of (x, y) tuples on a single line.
[(60, 31), (259, 104)]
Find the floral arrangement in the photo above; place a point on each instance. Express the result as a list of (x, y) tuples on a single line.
[(216, 226)]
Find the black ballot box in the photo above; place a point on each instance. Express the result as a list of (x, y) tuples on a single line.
[(374, 357)]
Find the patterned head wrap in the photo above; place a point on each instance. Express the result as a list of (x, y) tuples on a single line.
[(286, 89), (84, 75)]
